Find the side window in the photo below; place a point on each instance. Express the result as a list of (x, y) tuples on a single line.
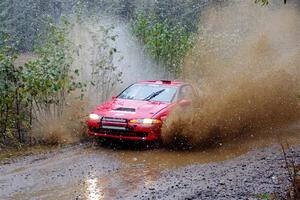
[(186, 92)]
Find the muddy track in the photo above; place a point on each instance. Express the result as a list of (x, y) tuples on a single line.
[(97, 172), (250, 176), (84, 172)]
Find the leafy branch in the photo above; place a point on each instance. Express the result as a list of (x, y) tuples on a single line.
[(167, 43), (266, 2), (37, 90)]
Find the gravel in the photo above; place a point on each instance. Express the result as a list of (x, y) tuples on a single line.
[(258, 173)]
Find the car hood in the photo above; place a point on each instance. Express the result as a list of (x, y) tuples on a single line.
[(129, 109)]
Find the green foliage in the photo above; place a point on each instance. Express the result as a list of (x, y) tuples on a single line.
[(9, 91), (267, 196), (167, 43), (262, 2), (25, 20), (265, 2), (184, 12), (48, 74), (39, 88)]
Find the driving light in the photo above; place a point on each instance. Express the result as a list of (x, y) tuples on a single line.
[(146, 121), (94, 117)]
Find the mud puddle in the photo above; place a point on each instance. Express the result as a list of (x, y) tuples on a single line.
[(165, 158), (145, 167), (97, 172)]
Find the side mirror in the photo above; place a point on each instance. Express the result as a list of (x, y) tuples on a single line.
[(113, 97), (185, 102)]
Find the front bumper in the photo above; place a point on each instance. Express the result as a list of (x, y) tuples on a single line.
[(122, 129), (129, 136)]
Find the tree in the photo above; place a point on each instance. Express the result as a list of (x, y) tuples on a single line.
[(105, 74), (126, 9), (37, 90), (166, 42), (6, 19), (25, 20), (8, 92)]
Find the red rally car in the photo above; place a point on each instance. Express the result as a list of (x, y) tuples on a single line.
[(138, 112)]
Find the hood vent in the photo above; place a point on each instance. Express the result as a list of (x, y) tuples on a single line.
[(126, 109)]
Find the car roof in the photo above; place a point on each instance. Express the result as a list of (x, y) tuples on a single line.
[(162, 82)]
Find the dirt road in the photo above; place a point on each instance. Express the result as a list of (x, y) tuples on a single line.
[(235, 170)]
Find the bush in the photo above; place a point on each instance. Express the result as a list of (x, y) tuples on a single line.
[(167, 43), (10, 95), (105, 73), (36, 90)]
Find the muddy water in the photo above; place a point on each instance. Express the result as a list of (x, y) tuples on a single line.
[(164, 158), (144, 167), (97, 172)]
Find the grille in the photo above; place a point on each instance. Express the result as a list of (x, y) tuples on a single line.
[(109, 119), (114, 123), (118, 127)]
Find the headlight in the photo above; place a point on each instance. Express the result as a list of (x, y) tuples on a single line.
[(94, 117), (146, 121)]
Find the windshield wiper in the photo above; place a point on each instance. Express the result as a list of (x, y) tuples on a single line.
[(154, 94)]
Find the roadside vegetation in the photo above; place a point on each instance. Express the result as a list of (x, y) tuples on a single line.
[(42, 93), (37, 90), (105, 74), (266, 2), (167, 43), (292, 175), (293, 170)]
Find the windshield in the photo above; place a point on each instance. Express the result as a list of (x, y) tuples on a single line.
[(149, 92)]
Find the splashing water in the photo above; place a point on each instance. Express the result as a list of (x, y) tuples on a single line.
[(246, 70), (129, 59)]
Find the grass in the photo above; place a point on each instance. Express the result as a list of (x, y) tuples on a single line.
[(263, 196), (267, 196), (10, 153), (293, 169)]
